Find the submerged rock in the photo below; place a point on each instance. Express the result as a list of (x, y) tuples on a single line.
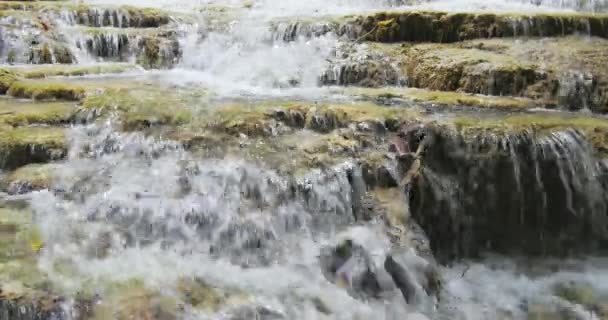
[(351, 266)]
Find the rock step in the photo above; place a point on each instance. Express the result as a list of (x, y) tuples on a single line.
[(157, 48), (530, 193), (443, 27), (53, 70), (121, 17), (565, 72)]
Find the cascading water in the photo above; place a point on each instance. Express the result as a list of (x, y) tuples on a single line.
[(135, 225)]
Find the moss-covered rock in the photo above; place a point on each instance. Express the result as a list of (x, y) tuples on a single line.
[(22, 113), (140, 108), (262, 118), (22, 146), (543, 176), (565, 72), (121, 17), (40, 90), (132, 300), (54, 52), (28, 178), (469, 70), (420, 26), (200, 295), (45, 71), (440, 98), (7, 78)]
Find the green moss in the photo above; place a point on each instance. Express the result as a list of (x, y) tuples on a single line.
[(39, 90), (7, 79), (200, 295), (582, 294), (22, 146), (448, 68), (429, 26), (132, 300), (254, 119), (19, 239), (36, 176), (142, 108), (22, 113), (594, 128), (37, 72), (445, 98)]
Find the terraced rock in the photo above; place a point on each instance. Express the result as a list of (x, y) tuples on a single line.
[(443, 27), (167, 194)]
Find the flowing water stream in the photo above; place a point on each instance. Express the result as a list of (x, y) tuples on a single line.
[(142, 211)]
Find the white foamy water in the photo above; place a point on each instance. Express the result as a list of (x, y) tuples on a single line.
[(128, 207)]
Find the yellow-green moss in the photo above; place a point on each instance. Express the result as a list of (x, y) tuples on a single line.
[(594, 128), (21, 113), (21, 146), (18, 237), (7, 79), (252, 119), (444, 98), (199, 294), (43, 71), (40, 90), (138, 109), (37, 176), (132, 300)]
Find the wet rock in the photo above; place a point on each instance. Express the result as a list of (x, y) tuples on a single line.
[(125, 17), (418, 279), (324, 121), (158, 52), (31, 145), (362, 206), (350, 265), (468, 70), (576, 91), (364, 74), (381, 174), (291, 117), (452, 27), (259, 312), (539, 186), (31, 308)]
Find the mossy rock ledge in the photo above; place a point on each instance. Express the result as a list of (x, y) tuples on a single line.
[(420, 26), (541, 175)]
